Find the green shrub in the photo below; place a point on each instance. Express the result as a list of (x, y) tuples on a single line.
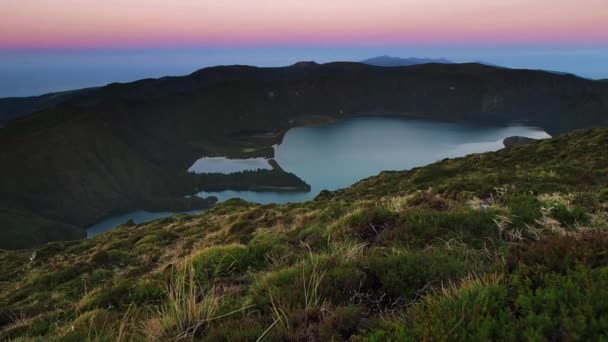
[(148, 291), (243, 328), (159, 237), (40, 326), (558, 255), (406, 275), (121, 244), (110, 257), (552, 289), (524, 208), (342, 323), (566, 307), (220, 261), (100, 257), (341, 281), (315, 235), (570, 217), (318, 279), (264, 246), (241, 230), (283, 285), (94, 325), (474, 311), (52, 279), (118, 257), (603, 195), (111, 295), (422, 227), (428, 200), (587, 200), (366, 224), (99, 276)]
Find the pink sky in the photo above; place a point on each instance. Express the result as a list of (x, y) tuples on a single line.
[(122, 23)]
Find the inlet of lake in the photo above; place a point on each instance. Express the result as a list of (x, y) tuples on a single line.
[(336, 155)]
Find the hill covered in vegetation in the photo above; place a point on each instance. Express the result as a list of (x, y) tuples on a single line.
[(127, 147), (507, 245)]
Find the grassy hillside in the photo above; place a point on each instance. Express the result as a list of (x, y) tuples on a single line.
[(503, 245), (127, 146)]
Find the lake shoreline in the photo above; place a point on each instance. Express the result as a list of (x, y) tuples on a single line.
[(489, 138), (277, 136), (264, 183)]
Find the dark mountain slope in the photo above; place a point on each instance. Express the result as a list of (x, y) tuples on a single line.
[(14, 107), (128, 146)]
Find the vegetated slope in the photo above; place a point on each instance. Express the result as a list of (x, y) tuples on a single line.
[(495, 246), (128, 146)]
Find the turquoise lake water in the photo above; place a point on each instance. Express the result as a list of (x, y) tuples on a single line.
[(334, 156)]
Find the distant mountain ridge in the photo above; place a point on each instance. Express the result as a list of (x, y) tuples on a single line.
[(390, 61), (15, 107)]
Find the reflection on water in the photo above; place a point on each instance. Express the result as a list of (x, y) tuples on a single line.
[(337, 155)]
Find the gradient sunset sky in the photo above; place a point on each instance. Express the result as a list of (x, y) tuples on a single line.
[(139, 23), (105, 38)]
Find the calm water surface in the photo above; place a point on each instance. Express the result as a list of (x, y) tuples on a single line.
[(337, 155)]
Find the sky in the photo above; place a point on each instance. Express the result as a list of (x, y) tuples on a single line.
[(89, 41)]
